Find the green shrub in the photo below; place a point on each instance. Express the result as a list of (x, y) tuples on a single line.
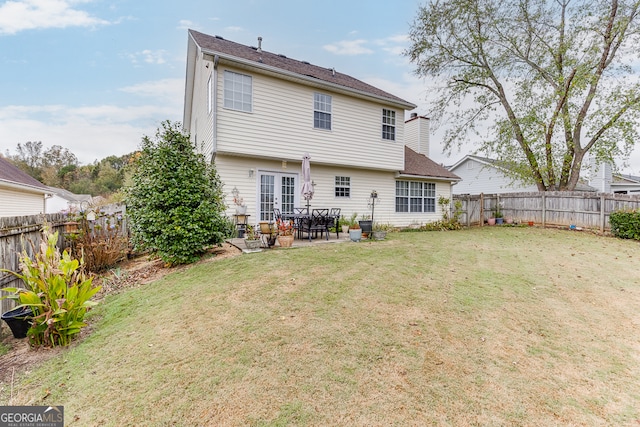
[(57, 291), (175, 202), (625, 224)]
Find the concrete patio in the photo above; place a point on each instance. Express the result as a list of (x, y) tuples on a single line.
[(297, 243)]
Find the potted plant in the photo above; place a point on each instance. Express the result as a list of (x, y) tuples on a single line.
[(57, 291), (251, 238), (355, 232), (238, 201), (344, 224), (380, 231), (497, 214), (366, 225), (285, 233), (269, 230)]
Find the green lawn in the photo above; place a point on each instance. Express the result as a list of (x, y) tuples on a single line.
[(492, 326)]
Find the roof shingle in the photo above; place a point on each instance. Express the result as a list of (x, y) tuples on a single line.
[(11, 173), (261, 58), (421, 165)]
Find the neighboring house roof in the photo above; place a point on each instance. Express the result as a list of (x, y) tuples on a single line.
[(416, 164), (626, 179), (484, 160), (12, 176), (69, 196), (271, 62)]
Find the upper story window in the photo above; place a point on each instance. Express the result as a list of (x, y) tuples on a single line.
[(237, 91), (412, 196), (321, 111), (343, 186), (388, 124)]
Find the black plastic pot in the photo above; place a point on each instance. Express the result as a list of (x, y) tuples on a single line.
[(19, 321), (366, 225)]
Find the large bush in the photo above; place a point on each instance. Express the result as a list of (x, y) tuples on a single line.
[(625, 224), (175, 201)]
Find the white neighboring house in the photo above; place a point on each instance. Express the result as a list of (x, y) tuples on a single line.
[(65, 201), (484, 175), (255, 114), (601, 177), (20, 194), (625, 184)]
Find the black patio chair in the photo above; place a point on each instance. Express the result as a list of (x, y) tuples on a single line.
[(276, 214), (297, 223), (335, 219)]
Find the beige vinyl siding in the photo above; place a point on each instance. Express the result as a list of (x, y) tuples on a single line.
[(201, 126), (234, 172), (19, 203), (281, 127)]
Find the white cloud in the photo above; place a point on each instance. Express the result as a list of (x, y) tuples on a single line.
[(96, 131), (16, 16), (148, 56), (348, 47), (171, 90), (185, 24)]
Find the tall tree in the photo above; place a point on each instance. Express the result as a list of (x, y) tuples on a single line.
[(554, 75), (175, 201), (28, 157)]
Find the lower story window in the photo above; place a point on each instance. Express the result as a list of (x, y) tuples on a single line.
[(413, 196), (343, 186)]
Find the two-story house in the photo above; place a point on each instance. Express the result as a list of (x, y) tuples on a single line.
[(255, 114)]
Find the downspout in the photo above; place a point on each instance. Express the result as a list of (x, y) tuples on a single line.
[(216, 58)]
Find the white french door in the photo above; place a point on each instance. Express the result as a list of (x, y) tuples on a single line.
[(276, 190)]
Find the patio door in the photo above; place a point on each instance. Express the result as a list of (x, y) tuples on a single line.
[(277, 190)]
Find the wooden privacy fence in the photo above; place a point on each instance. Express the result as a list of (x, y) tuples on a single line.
[(551, 208), (18, 233)]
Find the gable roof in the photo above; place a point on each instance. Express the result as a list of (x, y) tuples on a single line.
[(12, 176), (625, 179), (69, 196), (484, 160), (303, 71), (416, 164)]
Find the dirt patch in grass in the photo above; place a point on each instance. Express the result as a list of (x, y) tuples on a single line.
[(131, 273)]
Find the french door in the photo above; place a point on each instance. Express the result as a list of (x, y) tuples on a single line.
[(276, 190)]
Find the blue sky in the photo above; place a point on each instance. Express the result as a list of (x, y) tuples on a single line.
[(96, 76)]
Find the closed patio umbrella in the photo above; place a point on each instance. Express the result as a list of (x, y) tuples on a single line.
[(307, 186)]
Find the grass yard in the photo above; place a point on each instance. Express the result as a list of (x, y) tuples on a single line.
[(489, 326)]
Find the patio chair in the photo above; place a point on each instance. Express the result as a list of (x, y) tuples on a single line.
[(277, 215), (297, 223), (335, 219)]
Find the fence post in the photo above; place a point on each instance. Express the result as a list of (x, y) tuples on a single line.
[(544, 209), (468, 210), (481, 209), (602, 216)]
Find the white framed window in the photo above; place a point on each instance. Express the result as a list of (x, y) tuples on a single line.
[(343, 186), (209, 96), (238, 89), (414, 196), (388, 124), (321, 111)]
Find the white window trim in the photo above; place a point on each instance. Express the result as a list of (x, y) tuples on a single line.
[(224, 91), (330, 113)]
